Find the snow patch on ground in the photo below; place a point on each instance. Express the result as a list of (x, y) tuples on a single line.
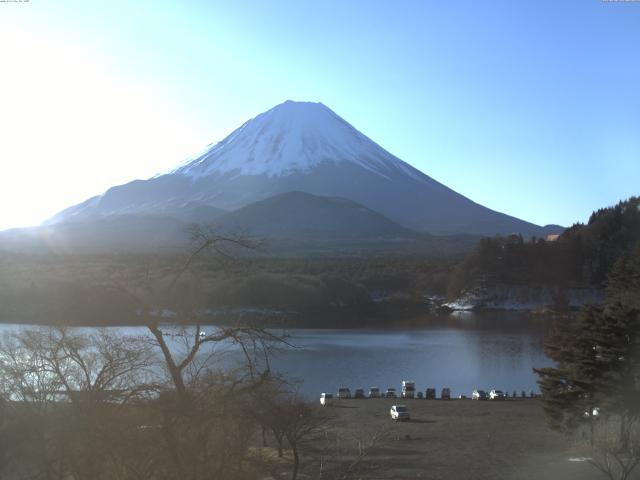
[(524, 298)]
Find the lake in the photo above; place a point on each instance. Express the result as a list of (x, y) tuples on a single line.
[(461, 351)]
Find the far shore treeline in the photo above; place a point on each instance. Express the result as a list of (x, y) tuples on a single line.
[(581, 257), (92, 289)]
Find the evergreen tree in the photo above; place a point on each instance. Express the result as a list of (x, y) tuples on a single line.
[(581, 257), (575, 387), (596, 379)]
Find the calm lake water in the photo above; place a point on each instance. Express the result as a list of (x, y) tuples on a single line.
[(463, 352)]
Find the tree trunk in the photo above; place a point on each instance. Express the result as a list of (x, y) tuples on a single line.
[(174, 371), (296, 461), (624, 432), (296, 457), (280, 452), (169, 436)]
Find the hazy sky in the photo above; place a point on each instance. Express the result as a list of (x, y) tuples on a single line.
[(530, 108)]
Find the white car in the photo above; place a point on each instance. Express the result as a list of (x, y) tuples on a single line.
[(496, 395), (326, 398), (399, 413)]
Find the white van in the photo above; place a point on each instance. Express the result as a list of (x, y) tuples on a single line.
[(326, 398), (408, 389)]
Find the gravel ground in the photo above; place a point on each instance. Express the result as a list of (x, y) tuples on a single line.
[(459, 439)]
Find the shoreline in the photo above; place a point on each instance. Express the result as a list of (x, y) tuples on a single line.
[(407, 319)]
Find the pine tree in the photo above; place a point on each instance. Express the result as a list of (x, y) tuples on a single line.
[(596, 379), (575, 387)]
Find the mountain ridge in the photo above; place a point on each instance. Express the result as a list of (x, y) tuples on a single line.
[(293, 224), (299, 214)]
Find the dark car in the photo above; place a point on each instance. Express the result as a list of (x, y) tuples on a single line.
[(359, 393), (479, 395), (496, 395)]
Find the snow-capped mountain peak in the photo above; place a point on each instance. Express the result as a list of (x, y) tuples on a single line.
[(291, 137), (299, 147)]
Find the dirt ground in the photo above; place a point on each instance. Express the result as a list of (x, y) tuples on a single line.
[(458, 439)]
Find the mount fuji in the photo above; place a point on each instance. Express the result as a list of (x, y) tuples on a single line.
[(299, 147)]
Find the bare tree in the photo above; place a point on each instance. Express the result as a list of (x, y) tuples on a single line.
[(613, 455), (335, 465), (269, 407), (67, 391), (305, 420), (288, 417), (174, 295), (100, 405), (198, 404)]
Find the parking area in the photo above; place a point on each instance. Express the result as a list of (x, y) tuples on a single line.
[(462, 439)]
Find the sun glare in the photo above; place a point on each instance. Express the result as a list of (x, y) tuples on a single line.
[(64, 116)]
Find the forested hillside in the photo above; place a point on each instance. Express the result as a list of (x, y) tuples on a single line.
[(580, 257), (97, 290)]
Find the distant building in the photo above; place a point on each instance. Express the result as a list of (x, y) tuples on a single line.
[(553, 237)]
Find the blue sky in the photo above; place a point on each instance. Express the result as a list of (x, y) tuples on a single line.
[(530, 108)]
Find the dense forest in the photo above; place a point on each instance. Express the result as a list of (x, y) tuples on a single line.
[(580, 257), (48, 288), (96, 290)]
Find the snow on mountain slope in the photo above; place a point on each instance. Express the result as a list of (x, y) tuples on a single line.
[(292, 137)]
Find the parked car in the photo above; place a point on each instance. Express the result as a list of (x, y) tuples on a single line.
[(344, 393), (374, 392), (479, 395), (359, 393), (496, 395), (391, 393), (326, 398), (399, 413), (408, 389), (445, 394), (594, 412), (430, 394), (419, 394)]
